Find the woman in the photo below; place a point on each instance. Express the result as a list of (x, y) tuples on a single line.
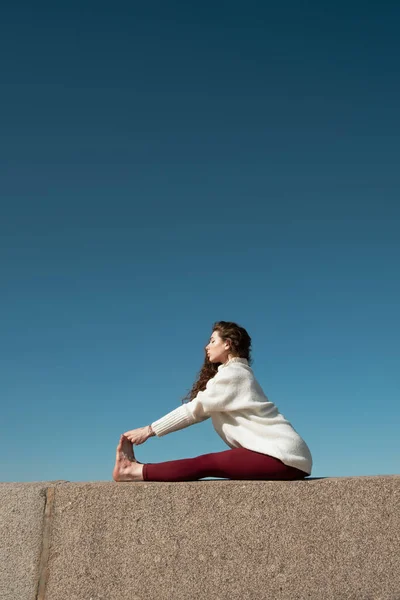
[(264, 445)]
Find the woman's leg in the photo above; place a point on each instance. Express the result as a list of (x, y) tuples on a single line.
[(237, 463)]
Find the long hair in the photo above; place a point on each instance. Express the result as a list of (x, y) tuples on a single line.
[(240, 345)]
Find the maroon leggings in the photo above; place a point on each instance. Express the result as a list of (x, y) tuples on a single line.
[(237, 463)]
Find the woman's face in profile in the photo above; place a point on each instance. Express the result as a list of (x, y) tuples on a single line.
[(217, 349)]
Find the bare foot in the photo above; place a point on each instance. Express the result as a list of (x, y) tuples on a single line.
[(127, 449), (126, 467)]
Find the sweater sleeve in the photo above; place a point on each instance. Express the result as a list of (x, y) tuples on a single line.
[(227, 391), (177, 419)]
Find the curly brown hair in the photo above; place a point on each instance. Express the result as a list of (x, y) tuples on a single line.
[(240, 346)]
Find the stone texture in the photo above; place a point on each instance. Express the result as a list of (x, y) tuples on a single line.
[(225, 540), (21, 519)]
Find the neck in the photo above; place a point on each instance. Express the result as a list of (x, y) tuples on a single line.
[(230, 356)]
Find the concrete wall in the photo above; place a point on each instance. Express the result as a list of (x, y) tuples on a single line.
[(317, 539)]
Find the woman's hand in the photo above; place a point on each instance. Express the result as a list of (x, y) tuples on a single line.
[(138, 436)]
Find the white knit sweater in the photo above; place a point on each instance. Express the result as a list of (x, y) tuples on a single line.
[(242, 415)]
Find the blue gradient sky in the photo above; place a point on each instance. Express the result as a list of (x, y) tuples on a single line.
[(165, 166)]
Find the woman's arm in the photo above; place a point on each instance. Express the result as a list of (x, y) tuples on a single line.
[(177, 419), (229, 390), (226, 391)]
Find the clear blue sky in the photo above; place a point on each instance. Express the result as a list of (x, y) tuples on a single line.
[(166, 165)]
